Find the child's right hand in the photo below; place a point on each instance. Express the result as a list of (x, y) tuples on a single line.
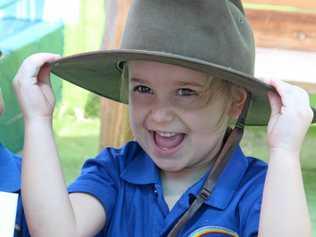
[(33, 88)]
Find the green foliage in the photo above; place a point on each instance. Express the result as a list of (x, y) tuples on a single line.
[(313, 100), (75, 122), (92, 106)]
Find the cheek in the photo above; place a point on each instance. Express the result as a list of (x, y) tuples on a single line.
[(206, 133), (136, 117), (206, 122)]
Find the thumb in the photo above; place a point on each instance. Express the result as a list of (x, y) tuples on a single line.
[(275, 103), (43, 74), (44, 83)]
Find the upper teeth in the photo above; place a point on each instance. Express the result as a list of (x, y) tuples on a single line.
[(166, 134)]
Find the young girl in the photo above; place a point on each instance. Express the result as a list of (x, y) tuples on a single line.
[(188, 67)]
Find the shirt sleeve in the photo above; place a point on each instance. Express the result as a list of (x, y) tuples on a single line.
[(100, 178)]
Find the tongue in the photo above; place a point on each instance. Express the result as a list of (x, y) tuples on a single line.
[(168, 142)]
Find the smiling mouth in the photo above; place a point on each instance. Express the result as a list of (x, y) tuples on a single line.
[(167, 142)]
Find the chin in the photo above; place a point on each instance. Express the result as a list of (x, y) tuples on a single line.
[(168, 165)]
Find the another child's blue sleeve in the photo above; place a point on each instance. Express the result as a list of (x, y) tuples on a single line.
[(100, 178)]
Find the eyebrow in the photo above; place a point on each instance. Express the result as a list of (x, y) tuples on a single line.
[(180, 83), (135, 79), (185, 83)]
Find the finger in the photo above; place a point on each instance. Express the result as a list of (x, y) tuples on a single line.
[(290, 94), (32, 65), (45, 85), (43, 74), (275, 103)]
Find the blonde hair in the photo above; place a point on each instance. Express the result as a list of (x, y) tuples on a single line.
[(125, 75), (222, 88)]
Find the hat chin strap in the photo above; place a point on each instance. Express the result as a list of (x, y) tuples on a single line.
[(232, 139)]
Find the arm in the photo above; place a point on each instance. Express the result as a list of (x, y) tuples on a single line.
[(48, 208), (284, 210)]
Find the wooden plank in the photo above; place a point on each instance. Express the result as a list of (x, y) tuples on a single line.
[(114, 116), (299, 4), (295, 67), (275, 29)]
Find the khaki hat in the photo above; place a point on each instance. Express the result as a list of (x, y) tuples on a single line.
[(212, 36)]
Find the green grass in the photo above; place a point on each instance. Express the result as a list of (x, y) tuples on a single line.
[(254, 144), (77, 140)]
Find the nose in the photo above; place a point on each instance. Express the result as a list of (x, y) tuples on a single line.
[(161, 112)]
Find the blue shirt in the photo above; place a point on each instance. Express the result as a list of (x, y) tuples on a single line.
[(128, 185), (10, 181)]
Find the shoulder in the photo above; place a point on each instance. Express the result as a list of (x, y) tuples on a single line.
[(116, 157), (244, 172), (246, 176), (249, 205), (253, 180), (256, 170), (101, 176), (128, 151), (252, 185), (111, 162)]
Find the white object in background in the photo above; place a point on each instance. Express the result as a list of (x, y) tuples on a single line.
[(297, 67), (8, 208)]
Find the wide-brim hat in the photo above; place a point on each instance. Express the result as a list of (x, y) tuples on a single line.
[(212, 36)]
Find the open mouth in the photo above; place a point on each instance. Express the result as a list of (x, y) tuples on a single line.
[(167, 142)]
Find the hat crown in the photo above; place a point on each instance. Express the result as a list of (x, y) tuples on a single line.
[(215, 31)]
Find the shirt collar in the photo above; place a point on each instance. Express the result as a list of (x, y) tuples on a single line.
[(141, 170), (10, 171), (227, 183)]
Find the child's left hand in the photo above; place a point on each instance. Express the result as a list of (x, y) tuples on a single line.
[(291, 116)]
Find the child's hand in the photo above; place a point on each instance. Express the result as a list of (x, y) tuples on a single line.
[(33, 88), (291, 116)]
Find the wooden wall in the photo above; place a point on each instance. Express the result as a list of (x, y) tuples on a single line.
[(114, 116)]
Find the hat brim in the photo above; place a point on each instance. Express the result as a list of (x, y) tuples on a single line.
[(99, 73)]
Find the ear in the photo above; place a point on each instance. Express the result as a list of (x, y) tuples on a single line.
[(239, 96)]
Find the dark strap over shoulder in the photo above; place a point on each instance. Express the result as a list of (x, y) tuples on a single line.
[(233, 139)]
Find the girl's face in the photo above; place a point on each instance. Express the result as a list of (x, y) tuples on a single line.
[(177, 115)]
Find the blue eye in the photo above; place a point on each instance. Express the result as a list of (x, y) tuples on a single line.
[(186, 92), (142, 89)]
